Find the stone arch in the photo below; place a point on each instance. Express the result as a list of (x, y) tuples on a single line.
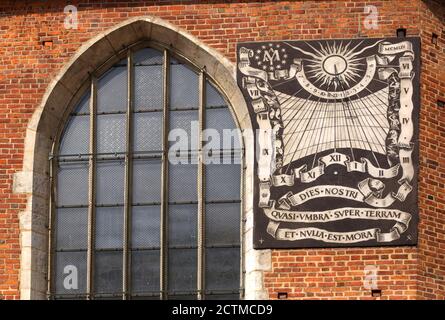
[(62, 94)]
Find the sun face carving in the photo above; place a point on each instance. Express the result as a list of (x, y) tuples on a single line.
[(335, 65)]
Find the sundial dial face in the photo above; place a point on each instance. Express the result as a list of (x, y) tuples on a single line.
[(335, 65), (337, 131)]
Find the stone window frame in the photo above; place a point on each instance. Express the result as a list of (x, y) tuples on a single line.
[(62, 94)]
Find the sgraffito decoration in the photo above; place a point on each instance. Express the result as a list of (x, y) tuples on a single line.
[(336, 140)]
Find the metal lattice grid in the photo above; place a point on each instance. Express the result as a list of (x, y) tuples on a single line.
[(71, 273), (72, 228), (146, 227), (108, 272), (222, 224), (72, 184), (112, 90), (110, 182), (76, 136), (147, 136)]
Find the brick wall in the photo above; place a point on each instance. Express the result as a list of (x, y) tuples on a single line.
[(431, 271), (35, 46)]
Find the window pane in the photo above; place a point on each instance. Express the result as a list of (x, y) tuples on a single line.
[(110, 296), (222, 296), (71, 228), (71, 275), (222, 121), (108, 272), (148, 81), (182, 297), (182, 224), (184, 86), (148, 56), (223, 224), (222, 268), (148, 87), (112, 90), (145, 271), (184, 130), (219, 119), (152, 296), (109, 227), (84, 103), (76, 136), (223, 181), (111, 133), (145, 226), (72, 184), (183, 182), (110, 182), (148, 131), (146, 181), (213, 97), (182, 270)]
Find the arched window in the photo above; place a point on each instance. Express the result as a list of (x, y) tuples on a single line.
[(145, 199)]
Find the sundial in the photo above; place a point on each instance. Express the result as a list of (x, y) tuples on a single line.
[(336, 140)]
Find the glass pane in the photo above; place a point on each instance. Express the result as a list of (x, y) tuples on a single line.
[(182, 297), (110, 182), (70, 297), (222, 268), (223, 181), (109, 227), (71, 272), (182, 270), (183, 182), (146, 226), (112, 90), (146, 181), (182, 224), (84, 103), (72, 184), (219, 119), (111, 133), (184, 130), (147, 131), (147, 57), (145, 297), (145, 271), (108, 272), (223, 223), (148, 80), (213, 97), (184, 86), (109, 297), (222, 296), (71, 228), (222, 121), (75, 139)]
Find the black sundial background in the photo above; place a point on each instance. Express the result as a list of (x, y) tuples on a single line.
[(331, 75)]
